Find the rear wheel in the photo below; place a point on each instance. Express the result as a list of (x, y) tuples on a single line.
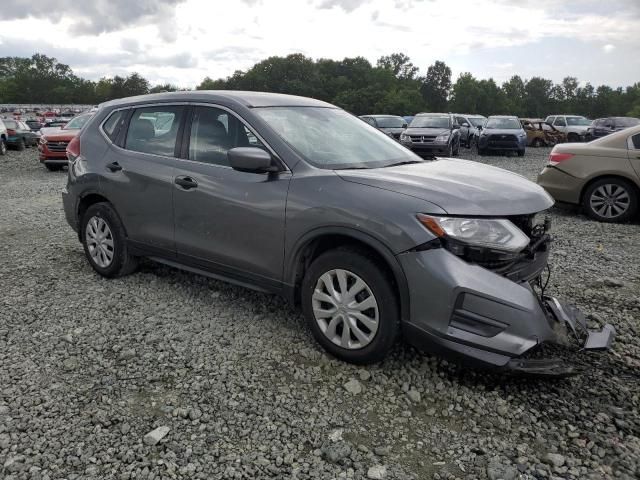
[(610, 200), (350, 306), (105, 243)]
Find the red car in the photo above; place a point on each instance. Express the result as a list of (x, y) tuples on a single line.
[(54, 141)]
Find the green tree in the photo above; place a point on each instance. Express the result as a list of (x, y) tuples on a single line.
[(436, 87), (399, 64)]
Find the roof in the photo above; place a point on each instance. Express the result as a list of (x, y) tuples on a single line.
[(381, 116), (503, 116), (247, 99), (428, 114)]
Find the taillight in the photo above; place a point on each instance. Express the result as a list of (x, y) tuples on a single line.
[(11, 131), (73, 148), (556, 158)]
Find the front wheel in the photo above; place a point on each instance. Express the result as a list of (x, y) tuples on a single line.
[(53, 168), (3, 147), (521, 153), (610, 200), (456, 151), (105, 243), (573, 138), (21, 145), (350, 306)]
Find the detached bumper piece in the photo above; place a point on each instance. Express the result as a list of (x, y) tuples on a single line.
[(575, 323), (574, 319)]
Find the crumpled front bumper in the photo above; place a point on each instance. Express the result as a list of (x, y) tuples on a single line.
[(466, 311)]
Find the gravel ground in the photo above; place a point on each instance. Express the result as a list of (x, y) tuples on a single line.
[(90, 367)]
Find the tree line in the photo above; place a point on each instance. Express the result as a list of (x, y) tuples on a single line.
[(393, 85)]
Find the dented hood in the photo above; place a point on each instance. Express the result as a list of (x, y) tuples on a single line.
[(459, 187)]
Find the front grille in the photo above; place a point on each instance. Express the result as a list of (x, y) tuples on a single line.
[(57, 146), (503, 141), (423, 138)]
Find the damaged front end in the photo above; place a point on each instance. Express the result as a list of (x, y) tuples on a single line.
[(497, 313)]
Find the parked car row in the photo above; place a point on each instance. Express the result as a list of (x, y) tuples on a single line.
[(16, 134)]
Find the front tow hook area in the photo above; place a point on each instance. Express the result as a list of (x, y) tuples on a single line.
[(574, 321)]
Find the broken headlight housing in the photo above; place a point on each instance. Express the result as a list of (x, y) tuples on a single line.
[(487, 233)]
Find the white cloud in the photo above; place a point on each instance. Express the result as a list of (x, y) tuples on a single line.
[(609, 48)]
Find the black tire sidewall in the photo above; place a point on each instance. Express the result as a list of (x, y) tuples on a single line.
[(3, 147), (633, 195), (382, 289), (108, 214)]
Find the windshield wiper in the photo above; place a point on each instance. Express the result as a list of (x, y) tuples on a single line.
[(404, 162)]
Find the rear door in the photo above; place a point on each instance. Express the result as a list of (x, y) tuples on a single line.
[(137, 171), (227, 220)]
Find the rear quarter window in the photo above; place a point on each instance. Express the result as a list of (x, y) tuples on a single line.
[(114, 122)]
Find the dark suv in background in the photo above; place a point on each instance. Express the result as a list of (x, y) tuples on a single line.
[(392, 125), (294, 196), (502, 133), (601, 127), (431, 134)]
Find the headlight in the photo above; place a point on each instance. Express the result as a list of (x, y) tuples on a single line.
[(442, 138), (404, 137), (498, 234), (522, 135)]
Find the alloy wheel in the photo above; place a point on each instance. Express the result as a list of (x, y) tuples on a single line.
[(99, 242), (345, 309), (610, 200)]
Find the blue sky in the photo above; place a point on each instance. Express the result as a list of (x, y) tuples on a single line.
[(182, 41)]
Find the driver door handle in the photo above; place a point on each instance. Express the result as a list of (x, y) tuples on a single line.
[(186, 182)]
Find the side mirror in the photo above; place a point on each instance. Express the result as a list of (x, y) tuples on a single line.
[(479, 127), (466, 125), (405, 125), (251, 159)]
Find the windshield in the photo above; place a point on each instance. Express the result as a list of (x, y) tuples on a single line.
[(476, 121), (333, 139), (11, 124), (578, 121), (503, 123), (627, 122), (390, 122), (429, 122), (77, 123)]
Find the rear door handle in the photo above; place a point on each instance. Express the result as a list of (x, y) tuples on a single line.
[(114, 167), (186, 182)]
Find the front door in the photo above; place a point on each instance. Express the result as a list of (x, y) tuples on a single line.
[(226, 219)]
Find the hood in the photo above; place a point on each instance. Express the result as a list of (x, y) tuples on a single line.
[(392, 129), (426, 131), (60, 134), (459, 187), (502, 131)]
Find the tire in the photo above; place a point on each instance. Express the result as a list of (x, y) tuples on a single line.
[(469, 143), (457, 149), (573, 138), (53, 168), (521, 153), (537, 143), (121, 263), (620, 192), (21, 145), (374, 341), (480, 151), (3, 147)]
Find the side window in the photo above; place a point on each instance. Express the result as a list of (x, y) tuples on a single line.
[(560, 122), (112, 126), (550, 120), (154, 130), (215, 131), (635, 140), (370, 121)]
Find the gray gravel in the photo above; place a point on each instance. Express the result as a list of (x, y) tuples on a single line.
[(232, 385)]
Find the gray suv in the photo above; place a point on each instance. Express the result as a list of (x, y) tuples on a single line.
[(297, 197)]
